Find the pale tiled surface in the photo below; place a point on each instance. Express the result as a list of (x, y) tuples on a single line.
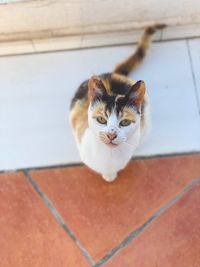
[(175, 117), (194, 46), (36, 91)]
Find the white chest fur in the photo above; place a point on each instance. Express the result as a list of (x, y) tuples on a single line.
[(103, 159)]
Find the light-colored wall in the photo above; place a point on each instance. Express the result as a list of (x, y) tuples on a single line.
[(83, 16), (95, 22)]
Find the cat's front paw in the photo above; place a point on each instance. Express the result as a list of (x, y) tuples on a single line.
[(110, 177)]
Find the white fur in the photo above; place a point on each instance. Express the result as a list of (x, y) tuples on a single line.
[(109, 160)]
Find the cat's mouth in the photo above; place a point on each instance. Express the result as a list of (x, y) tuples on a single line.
[(107, 142)]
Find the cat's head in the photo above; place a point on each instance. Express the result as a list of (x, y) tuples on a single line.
[(115, 109)]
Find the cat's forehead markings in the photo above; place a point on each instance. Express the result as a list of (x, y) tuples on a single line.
[(127, 113), (118, 97), (107, 113), (99, 110)]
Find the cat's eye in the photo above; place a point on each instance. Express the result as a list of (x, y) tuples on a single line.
[(101, 120), (125, 122)]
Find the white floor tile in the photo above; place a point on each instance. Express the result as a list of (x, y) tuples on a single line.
[(194, 47), (36, 91), (176, 122)]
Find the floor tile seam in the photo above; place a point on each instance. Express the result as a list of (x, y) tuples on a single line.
[(57, 216), (193, 75), (128, 43), (141, 229), (80, 164)]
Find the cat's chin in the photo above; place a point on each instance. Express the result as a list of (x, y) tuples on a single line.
[(112, 145)]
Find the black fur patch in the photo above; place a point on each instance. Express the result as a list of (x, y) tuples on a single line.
[(150, 30), (117, 88), (122, 71), (121, 103), (140, 53), (109, 102), (81, 93)]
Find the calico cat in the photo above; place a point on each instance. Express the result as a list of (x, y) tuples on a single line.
[(110, 114)]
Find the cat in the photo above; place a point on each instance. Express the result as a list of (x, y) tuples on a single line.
[(110, 114)]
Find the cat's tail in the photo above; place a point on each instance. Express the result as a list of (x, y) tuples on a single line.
[(136, 59)]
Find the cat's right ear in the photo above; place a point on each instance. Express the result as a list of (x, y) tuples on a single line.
[(96, 89)]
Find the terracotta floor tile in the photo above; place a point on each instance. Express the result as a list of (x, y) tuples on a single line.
[(173, 240), (102, 214), (29, 235)]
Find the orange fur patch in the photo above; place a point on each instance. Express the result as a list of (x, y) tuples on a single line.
[(79, 118), (99, 110), (122, 78), (107, 86)]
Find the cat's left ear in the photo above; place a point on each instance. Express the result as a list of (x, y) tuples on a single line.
[(136, 94), (96, 89)]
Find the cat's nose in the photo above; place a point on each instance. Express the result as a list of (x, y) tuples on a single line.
[(111, 136)]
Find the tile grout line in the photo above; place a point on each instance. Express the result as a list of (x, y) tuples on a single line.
[(193, 76), (58, 217), (80, 164), (96, 47), (134, 234)]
